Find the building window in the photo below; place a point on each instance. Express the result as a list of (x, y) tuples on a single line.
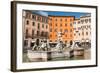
[(50, 35), (27, 15), (65, 19), (56, 30), (71, 42), (65, 24), (50, 30), (90, 20), (86, 20), (60, 24), (42, 33), (82, 21), (39, 18), (50, 24), (43, 19), (89, 26), (74, 34), (66, 35), (74, 22), (55, 35), (66, 30), (32, 34), (47, 20), (46, 26), (70, 30), (55, 19), (86, 27), (74, 28), (33, 17), (79, 28), (27, 22), (70, 35), (66, 41), (42, 25), (60, 19), (26, 33), (33, 23), (50, 40), (51, 19), (70, 19), (38, 33), (70, 24), (78, 22), (82, 27), (38, 25), (86, 33), (55, 24), (25, 42), (79, 34)]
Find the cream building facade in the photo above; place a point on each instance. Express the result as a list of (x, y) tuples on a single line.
[(82, 30), (35, 28)]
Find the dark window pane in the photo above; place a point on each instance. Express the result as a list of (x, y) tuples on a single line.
[(65, 24), (46, 26), (38, 25), (33, 23), (42, 25), (27, 22)]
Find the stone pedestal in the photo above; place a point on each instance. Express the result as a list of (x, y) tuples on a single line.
[(77, 53)]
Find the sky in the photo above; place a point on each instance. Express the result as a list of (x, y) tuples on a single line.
[(58, 13)]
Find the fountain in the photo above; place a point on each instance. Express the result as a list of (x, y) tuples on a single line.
[(76, 51), (44, 52)]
